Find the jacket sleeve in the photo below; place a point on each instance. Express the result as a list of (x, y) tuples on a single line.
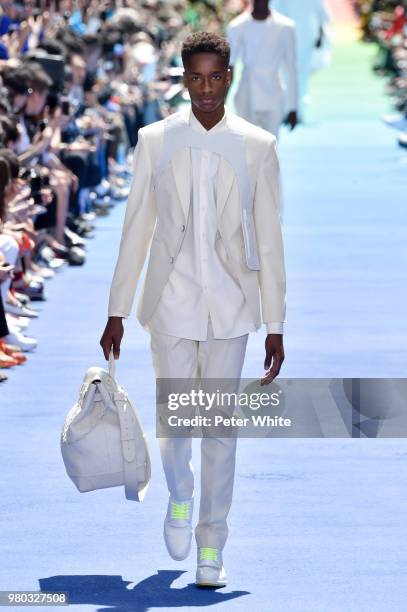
[(291, 69), (266, 210), (138, 225)]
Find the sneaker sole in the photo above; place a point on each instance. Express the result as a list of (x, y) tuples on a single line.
[(212, 585)]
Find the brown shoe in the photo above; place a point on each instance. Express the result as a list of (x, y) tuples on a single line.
[(8, 349), (6, 361)]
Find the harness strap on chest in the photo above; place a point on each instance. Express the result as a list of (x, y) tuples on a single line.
[(230, 145)]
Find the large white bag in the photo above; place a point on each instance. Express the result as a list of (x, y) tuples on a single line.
[(102, 441)]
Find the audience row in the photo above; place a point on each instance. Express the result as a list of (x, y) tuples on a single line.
[(77, 81)]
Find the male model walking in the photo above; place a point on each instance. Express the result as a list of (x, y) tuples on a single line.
[(311, 19), (267, 93), (205, 194)]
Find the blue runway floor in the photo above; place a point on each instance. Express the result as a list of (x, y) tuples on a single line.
[(316, 525)]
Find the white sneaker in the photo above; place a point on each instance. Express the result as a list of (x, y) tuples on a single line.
[(210, 571), (14, 321), (24, 342), (20, 310), (44, 272), (178, 528)]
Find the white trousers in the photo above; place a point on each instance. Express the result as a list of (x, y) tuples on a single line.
[(270, 119), (212, 358)]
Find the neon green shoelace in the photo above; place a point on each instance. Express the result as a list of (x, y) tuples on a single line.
[(180, 510), (208, 553)]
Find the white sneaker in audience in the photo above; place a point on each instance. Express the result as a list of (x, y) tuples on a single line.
[(45, 272), (89, 216), (20, 310), (24, 342), (17, 322)]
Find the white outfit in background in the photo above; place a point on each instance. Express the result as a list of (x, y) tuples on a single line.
[(309, 17), (200, 297), (268, 88)]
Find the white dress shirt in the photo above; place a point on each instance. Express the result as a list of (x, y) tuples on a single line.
[(200, 286)]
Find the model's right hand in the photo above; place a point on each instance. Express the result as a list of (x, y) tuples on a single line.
[(112, 336)]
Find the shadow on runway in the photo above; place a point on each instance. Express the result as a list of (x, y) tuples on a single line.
[(153, 592)]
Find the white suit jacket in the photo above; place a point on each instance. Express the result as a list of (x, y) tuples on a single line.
[(159, 222), (267, 49)]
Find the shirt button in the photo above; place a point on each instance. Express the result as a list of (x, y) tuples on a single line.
[(171, 260), (182, 228)]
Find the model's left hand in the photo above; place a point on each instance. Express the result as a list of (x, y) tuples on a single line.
[(274, 351), (320, 39), (291, 119)]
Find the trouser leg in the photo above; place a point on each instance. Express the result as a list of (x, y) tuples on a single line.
[(176, 358), (269, 120), (218, 359)]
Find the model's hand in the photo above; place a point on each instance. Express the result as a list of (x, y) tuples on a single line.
[(291, 119), (112, 336), (274, 351), (320, 39)]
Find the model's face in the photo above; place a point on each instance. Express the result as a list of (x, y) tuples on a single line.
[(207, 80)]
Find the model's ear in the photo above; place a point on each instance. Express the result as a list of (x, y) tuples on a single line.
[(229, 76)]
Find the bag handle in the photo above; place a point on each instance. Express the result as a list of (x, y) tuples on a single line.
[(111, 364)]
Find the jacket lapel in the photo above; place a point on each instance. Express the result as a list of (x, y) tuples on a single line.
[(182, 173), (181, 170), (224, 182)]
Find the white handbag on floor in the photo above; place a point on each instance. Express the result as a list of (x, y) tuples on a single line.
[(102, 441)]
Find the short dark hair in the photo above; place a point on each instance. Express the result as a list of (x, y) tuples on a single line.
[(5, 106), (205, 42), (39, 81), (72, 43), (10, 130), (16, 80), (13, 162), (91, 41)]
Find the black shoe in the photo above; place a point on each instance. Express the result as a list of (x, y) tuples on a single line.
[(77, 256)]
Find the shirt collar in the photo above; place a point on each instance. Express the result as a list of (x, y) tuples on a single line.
[(197, 125)]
